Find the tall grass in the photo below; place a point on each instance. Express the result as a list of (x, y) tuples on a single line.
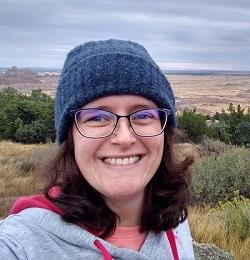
[(18, 164), (208, 227)]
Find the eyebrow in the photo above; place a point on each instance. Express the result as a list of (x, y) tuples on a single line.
[(132, 108)]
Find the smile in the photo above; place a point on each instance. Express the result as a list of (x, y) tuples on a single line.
[(122, 161)]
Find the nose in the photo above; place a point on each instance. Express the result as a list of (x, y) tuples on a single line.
[(123, 134)]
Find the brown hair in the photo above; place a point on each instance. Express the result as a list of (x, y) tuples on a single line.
[(165, 201)]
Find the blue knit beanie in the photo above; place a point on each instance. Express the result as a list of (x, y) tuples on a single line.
[(103, 68)]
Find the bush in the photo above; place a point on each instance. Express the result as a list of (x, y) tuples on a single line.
[(235, 216), (234, 126), (193, 124), (216, 178), (242, 133), (214, 147), (26, 119)]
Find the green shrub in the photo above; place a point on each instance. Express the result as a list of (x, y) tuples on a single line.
[(26, 119), (234, 126), (216, 178), (214, 147), (193, 124), (242, 133), (235, 216)]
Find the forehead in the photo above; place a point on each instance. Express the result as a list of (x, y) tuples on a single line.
[(121, 101)]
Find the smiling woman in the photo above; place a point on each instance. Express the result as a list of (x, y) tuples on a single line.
[(120, 167), (114, 188)]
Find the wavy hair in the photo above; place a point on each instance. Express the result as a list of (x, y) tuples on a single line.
[(165, 200)]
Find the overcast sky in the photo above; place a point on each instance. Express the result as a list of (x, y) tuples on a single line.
[(191, 34)]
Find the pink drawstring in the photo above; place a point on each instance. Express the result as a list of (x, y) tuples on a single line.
[(104, 251), (171, 239)]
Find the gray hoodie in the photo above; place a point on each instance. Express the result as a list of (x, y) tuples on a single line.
[(38, 233)]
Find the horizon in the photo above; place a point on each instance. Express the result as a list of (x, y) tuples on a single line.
[(38, 68)]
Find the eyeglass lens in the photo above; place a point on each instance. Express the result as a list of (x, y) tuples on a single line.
[(97, 123)]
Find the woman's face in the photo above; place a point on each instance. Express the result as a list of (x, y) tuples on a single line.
[(97, 158)]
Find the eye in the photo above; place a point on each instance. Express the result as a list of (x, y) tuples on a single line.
[(99, 118), (144, 115), (94, 117)]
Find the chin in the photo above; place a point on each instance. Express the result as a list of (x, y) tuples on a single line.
[(126, 192)]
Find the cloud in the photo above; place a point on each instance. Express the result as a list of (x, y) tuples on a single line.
[(204, 34)]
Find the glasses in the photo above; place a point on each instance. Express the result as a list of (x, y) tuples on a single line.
[(99, 123)]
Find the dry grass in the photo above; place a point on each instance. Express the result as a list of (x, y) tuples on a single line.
[(18, 164), (207, 229), (210, 94)]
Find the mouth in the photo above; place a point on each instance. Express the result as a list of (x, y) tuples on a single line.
[(121, 161)]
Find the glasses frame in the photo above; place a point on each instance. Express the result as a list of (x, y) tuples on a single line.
[(73, 114)]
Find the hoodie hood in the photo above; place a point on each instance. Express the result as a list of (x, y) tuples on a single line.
[(35, 201)]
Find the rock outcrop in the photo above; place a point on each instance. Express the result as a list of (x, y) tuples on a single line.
[(210, 252), (16, 75)]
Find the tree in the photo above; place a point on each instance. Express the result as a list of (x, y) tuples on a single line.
[(194, 124), (234, 125), (26, 119), (242, 133)]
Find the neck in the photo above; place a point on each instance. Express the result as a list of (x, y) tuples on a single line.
[(129, 210)]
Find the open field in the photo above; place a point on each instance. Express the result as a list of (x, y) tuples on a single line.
[(207, 93)]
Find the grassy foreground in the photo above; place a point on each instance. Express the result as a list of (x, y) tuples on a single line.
[(18, 164), (206, 228)]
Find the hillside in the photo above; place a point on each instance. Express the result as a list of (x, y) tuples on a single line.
[(15, 75), (26, 80)]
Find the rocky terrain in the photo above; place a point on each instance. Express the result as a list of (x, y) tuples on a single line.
[(26, 80)]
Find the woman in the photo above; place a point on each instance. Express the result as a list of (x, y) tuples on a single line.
[(115, 189)]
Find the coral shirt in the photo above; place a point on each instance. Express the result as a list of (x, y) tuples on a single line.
[(128, 237)]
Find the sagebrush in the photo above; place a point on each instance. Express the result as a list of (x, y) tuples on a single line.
[(216, 178)]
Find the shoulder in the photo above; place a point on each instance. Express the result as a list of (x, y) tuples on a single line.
[(15, 231), (182, 230), (37, 233), (184, 241), (29, 224), (36, 225), (15, 225)]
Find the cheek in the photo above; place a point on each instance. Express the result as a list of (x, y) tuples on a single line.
[(160, 150), (82, 148), (85, 149), (158, 146)]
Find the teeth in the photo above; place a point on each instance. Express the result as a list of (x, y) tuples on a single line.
[(122, 161)]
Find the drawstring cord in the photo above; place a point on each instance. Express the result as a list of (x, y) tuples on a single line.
[(104, 251), (171, 239)]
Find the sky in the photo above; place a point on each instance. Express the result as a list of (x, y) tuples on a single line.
[(187, 34)]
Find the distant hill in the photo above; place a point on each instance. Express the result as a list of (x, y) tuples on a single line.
[(16, 75), (35, 69)]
